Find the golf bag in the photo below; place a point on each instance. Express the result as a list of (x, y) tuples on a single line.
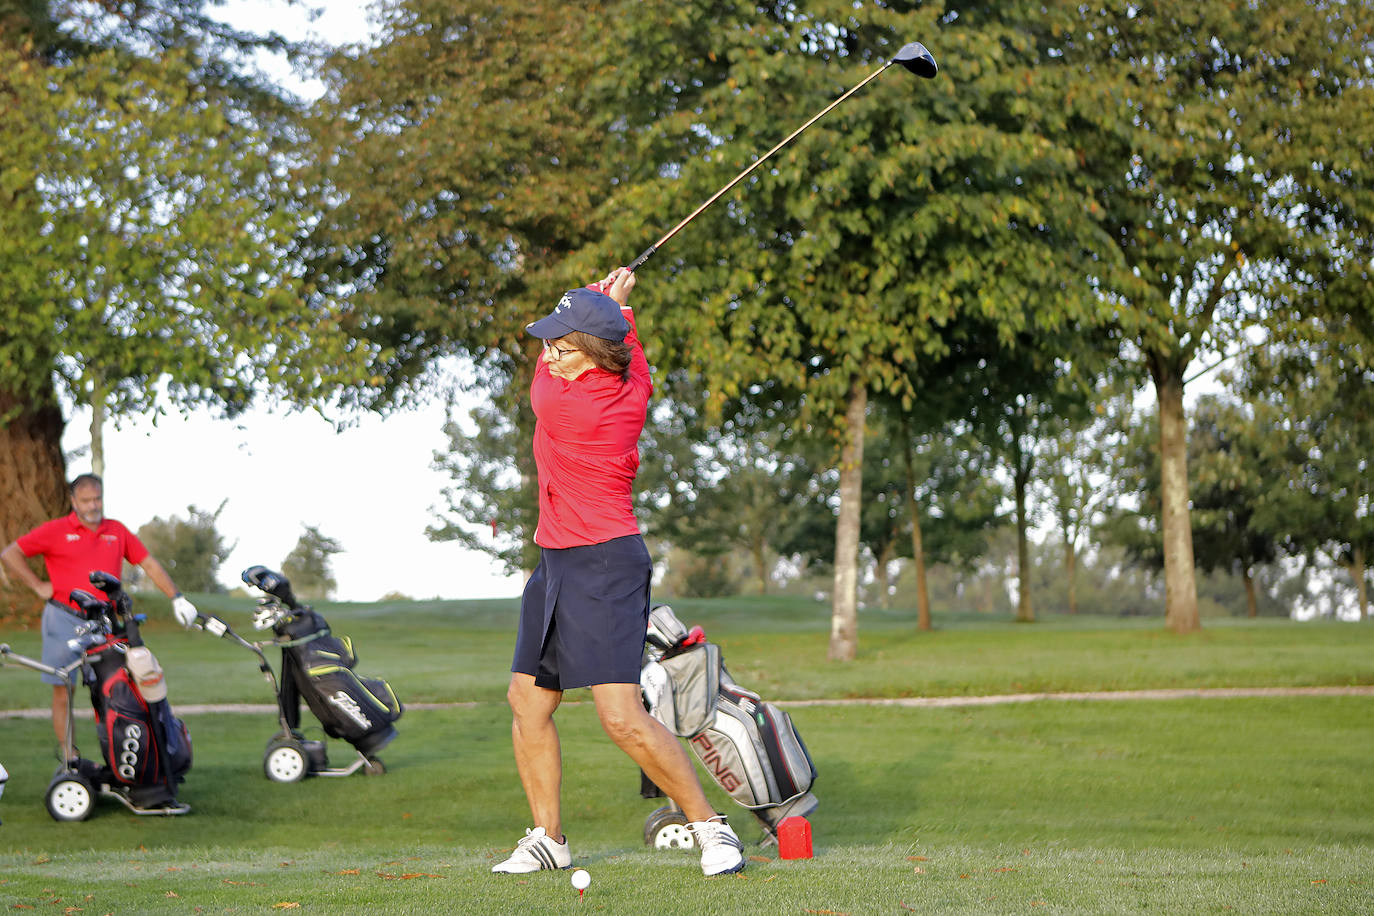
[(146, 749), (317, 667), (320, 672), (749, 746)]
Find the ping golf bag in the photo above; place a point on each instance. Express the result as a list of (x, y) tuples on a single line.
[(147, 750), (317, 667), (749, 746)]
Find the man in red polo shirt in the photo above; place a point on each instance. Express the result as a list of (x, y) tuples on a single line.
[(72, 547)]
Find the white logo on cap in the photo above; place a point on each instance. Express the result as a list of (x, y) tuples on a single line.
[(565, 301)]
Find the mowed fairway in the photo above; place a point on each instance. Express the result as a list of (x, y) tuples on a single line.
[(1254, 805)]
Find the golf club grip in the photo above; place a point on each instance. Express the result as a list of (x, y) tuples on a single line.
[(639, 261)]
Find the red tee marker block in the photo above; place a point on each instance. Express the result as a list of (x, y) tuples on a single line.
[(794, 838)]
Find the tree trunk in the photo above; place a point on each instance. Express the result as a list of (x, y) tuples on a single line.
[(33, 481), (98, 433), (1025, 613), (1251, 605), (884, 577), (1071, 573), (918, 550), (1180, 584), (844, 617), (1357, 572), (760, 554)]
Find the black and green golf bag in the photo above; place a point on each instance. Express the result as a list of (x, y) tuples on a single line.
[(317, 667)]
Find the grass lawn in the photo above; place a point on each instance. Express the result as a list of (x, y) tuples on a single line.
[(1183, 806)]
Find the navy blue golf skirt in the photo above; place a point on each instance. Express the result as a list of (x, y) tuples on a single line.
[(584, 614)]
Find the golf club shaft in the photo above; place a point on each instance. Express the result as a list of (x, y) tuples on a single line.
[(648, 252)]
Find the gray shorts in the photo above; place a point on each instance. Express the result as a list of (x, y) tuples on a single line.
[(59, 626)]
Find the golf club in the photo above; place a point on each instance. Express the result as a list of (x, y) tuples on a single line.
[(913, 57)]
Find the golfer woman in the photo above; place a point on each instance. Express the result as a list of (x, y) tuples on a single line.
[(586, 608)]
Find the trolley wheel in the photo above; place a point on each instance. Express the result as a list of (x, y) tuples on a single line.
[(374, 766), (70, 797), (285, 760), (666, 828)]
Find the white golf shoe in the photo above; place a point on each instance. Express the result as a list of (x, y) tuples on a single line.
[(536, 852), (721, 851)]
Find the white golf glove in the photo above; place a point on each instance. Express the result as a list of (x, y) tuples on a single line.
[(184, 610)]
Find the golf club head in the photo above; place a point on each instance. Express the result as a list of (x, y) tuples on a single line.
[(272, 582), (917, 59), (105, 582)]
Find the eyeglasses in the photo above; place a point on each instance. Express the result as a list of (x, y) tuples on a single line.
[(556, 352)]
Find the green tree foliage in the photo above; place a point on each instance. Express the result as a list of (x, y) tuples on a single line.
[(308, 565), (488, 507), (912, 211), (469, 156), (190, 548), (151, 206), (1240, 464), (1217, 142), (934, 497), (1074, 486), (1235, 459), (469, 159), (1315, 398), (744, 485)]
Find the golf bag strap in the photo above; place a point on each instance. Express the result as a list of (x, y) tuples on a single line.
[(292, 643)]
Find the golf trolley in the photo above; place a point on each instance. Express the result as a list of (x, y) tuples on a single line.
[(316, 667), (750, 747), (146, 750)]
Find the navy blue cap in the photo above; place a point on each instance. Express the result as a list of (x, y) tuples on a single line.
[(583, 310)]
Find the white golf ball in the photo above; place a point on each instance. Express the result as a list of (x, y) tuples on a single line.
[(580, 879)]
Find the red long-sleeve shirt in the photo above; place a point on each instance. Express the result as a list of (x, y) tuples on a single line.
[(586, 448)]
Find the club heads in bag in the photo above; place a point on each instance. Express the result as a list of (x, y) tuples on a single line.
[(91, 606), (105, 582), (274, 583)]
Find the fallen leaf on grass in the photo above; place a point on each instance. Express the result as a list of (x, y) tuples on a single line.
[(286, 905), (919, 870), (171, 894), (917, 858), (903, 905), (963, 876), (1005, 868), (1319, 881), (827, 912), (20, 906), (1038, 903), (763, 859), (406, 877), (347, 871)]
